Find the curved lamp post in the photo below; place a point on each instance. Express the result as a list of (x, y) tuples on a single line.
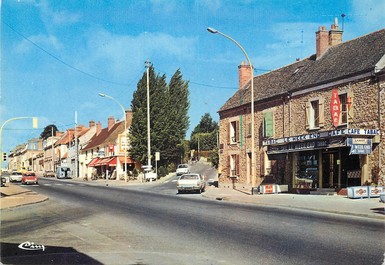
[(125, 131), (253, 177), (34, 125)]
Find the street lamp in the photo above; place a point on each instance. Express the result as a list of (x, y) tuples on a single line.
[(125, 131), (34, 125), (253, 177)]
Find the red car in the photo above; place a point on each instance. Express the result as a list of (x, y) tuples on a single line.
[(29, 178)]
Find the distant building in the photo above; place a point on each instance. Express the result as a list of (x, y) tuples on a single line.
[(104, 153)]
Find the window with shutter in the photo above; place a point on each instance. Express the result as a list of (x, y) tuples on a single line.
[(350, 106), (234, 132), (268, 126), (344, 108), (314, 114), (321, 113), (233, 165)]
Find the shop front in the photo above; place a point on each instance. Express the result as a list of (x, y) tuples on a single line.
[(331, 159), (107, 166)]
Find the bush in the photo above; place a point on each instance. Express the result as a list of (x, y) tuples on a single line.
[(162, 172), (171, 167)]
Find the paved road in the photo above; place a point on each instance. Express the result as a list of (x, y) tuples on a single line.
[(88, 224)]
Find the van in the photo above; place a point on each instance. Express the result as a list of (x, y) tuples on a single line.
[(63, 172)]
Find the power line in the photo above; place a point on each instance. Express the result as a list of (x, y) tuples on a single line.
[(63, 62)]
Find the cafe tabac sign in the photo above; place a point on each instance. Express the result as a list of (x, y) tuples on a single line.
[(335, 108)]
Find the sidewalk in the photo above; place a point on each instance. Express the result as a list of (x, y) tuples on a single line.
[(14, 195), (366, 207)]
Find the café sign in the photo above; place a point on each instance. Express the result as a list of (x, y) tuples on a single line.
[(335, 108), (322, 135)]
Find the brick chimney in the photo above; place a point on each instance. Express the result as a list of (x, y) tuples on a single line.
[(91, 124), (325, 39), (322, 41), (244, 73), (111, 122), (98, 128), (335, 34), (129, 117)]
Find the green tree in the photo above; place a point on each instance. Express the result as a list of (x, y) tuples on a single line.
[(176, 118), (168, 115), (204, 134), (48, 131)]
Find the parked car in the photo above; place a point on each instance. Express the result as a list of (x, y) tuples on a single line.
[(63, 173), (3, 181), (150, 176), (15, 176), (29, 178), (49, 173), (182, 169), (191, 182)]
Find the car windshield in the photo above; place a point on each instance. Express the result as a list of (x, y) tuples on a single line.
[(16, 173), (182, 166), (189, 177), (29, 174)]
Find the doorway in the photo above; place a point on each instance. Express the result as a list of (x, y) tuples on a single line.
[(330, 170)]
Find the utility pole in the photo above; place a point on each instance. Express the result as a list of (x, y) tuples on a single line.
[(76, 145), (148, 64), (52, 147)]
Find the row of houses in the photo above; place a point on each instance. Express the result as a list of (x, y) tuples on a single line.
[(318, 122), (89, 152)]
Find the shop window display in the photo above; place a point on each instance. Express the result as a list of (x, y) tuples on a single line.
[(307, 171)]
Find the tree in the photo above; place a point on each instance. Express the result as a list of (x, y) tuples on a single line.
[(206, 125), (176, 118), (204, 134), (168, 115), (49, 130)]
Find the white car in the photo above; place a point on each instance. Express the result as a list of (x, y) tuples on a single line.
[(191, 182), (182, 169), (15, 176), (150, 176)]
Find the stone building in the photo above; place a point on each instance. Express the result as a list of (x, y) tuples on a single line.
[(318, 122)]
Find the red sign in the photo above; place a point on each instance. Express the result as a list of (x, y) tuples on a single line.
[(111, 148), (335, 107), (268, 188)]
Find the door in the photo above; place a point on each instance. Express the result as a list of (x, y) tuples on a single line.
[(330, 170)]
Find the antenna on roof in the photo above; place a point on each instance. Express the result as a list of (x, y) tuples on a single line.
[(343, 20), (301, 42)]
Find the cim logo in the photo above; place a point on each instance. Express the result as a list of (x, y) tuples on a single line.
[(335, 108), (31, 246)]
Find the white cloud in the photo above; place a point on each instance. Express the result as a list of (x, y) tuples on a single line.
[(45, 42), (120, 54), (65, 18), (211, 5), (62, 17), (163, 7)]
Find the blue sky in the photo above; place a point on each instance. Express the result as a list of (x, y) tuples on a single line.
[(56, 56)]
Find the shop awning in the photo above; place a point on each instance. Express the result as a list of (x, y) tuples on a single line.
[(93, 162), (129, 160), (107, 161), (113, 162)]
